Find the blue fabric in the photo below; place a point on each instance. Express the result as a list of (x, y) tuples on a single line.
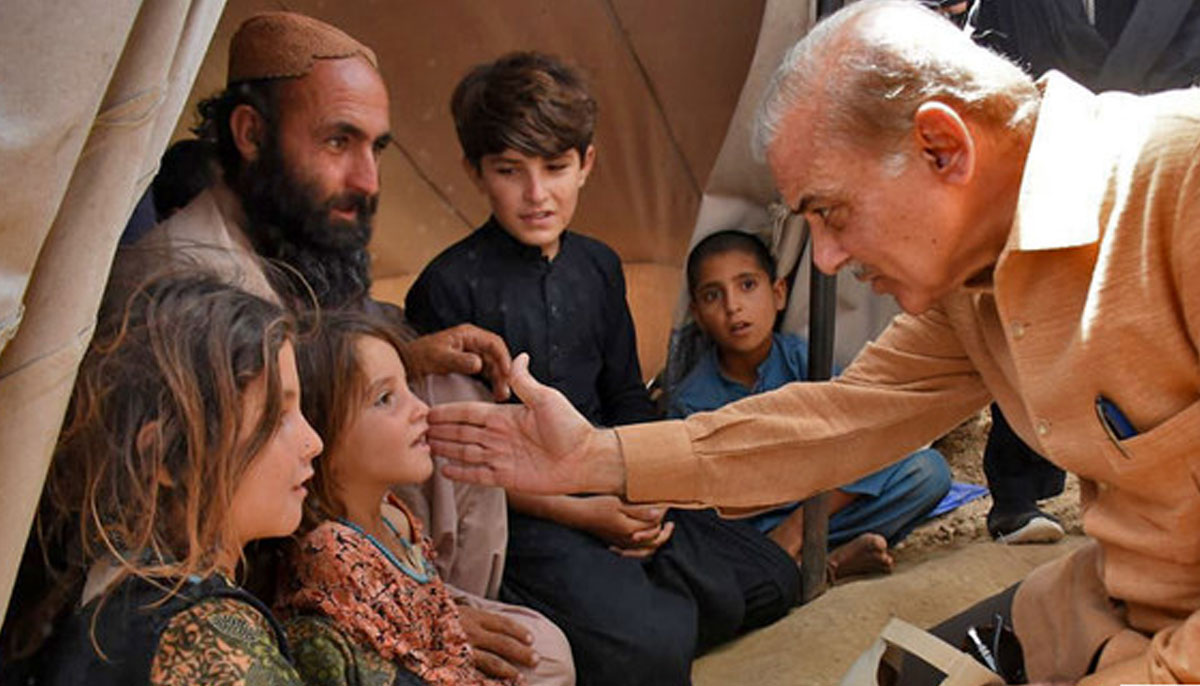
[(707, 388), (891, 501), (959, 494)]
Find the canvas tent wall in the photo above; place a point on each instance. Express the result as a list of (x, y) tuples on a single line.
[(91, 93)]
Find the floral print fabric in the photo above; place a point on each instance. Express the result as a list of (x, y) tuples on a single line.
[(220, 641), (339, 573)]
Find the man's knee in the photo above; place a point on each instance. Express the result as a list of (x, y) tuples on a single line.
[(555, 666)]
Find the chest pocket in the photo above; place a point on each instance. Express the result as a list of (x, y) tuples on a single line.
[(1163, 460)]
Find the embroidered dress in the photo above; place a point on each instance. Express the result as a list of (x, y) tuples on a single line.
[(210, 632), (345, 575)]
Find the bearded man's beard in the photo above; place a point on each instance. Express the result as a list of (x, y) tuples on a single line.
[(289, 222)]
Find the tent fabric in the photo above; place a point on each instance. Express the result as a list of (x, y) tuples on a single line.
[(740, 194), (89, 95)]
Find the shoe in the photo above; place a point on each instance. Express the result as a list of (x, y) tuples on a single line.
[(1031, 526)]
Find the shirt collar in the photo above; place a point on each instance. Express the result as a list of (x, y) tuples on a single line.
[(759, 372), (1066, 171), (499, 236)]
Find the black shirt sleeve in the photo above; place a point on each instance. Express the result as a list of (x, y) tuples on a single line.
[(434, 303), (623, 396)]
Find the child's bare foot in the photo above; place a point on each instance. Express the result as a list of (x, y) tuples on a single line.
[(867, 554)]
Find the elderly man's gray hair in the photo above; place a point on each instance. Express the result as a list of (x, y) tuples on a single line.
[(868, 67)]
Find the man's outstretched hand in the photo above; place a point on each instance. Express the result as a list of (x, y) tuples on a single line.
[(543, 446)]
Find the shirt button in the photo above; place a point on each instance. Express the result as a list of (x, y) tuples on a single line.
[(1043, 427), (1018, 331)]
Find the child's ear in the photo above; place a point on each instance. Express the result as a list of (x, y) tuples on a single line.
[(779, 293), (585, 164), (249, 130), (473, 173), (147, 436), (146, 441)]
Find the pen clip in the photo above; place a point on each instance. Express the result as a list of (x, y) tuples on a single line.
[(986, 654)]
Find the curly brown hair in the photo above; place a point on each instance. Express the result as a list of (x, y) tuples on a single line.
[(155, 438)]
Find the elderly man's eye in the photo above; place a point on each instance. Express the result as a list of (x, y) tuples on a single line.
[(820, 213)]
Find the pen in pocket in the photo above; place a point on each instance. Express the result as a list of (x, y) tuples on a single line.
[(1114, 420)]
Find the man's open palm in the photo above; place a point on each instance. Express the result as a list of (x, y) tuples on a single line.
[(538, 447)]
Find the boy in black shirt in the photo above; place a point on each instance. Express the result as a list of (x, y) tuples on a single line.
[(638, 589)]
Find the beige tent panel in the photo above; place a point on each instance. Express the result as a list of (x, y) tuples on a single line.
[(695, 55), (110, 77), (44, 123)]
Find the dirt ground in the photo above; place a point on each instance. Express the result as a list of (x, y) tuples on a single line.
[(963, 448), (945, 565)]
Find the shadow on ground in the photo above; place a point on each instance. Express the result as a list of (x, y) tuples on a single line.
[(815, 644)]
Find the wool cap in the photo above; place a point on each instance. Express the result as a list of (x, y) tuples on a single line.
[(275, 45)]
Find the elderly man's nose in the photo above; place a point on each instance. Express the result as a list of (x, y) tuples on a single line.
[(828, 254)]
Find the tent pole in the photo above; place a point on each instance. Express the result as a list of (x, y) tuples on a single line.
[(822, 301), (822, 296)]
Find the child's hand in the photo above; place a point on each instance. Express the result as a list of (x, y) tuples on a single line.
[(632, 530), (499, 645), (647, 544)]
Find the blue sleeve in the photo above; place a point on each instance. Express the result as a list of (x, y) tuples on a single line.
[(795, 351), (678, 408)]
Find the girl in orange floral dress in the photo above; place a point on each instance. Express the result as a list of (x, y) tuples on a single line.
[(361, 572)]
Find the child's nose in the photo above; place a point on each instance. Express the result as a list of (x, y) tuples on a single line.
[(310, 441), (535, 188), (420, 408), (733, 303)]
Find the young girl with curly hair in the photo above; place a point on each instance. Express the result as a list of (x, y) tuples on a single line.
[(183, 442)]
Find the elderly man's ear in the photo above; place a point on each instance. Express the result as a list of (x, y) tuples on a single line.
[(249, 130), (945, 142)]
